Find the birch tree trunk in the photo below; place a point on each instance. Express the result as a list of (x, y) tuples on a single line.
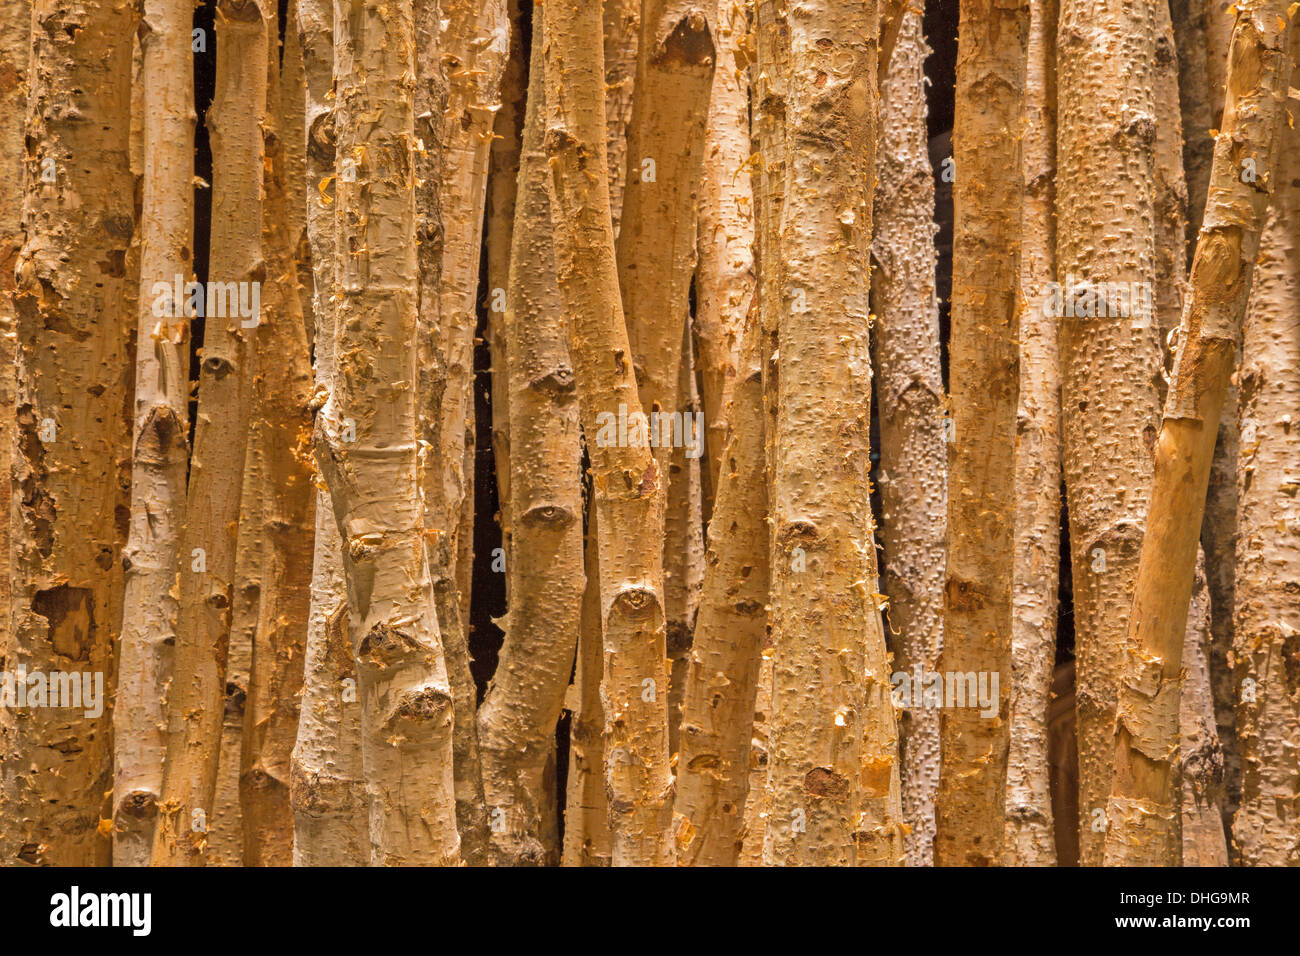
[(282, 419), (725, 279), (713, 778), (160, 433), (207, 559), (913, 466), (544, 570), (1200, 756), (628, 483), (621, 35), (1109, 348), (72, 380), (1268, 549), (327, 786), (833, 774), (366, 444), (1142, 819), (983, 370), (1029, 833)]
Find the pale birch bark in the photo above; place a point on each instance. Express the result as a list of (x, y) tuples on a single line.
[(327, 787), (1200, 757), (282, 420), (1188, 18), (983, 374), (544, 569), (833, 769), (440, 482), (913, 456), (628, 483), (73, 303), (206, 564), (713, 774), (1264, 830), (725, 278), (1142, 814), (1029, 835), (656, 260), (1109, 348), (160, 433), (621, 35), (366, 444)]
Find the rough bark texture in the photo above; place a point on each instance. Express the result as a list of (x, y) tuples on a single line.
[(833, 770), (713, 777), (725, 279), (206, 564), (1109, 347), (982, 390), (544, 570), (1200, 756), (627, 481), (1267, 686), (73, 303), (1142, 816), (327, 788), (622, 38), (366, 441), (446, 434), (161, 414), (1188, 18), (282, 420), (913, 456), (1029, 832)]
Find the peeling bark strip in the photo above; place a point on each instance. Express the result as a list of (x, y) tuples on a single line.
[(627, 482), (206, 564), (544, 572), (656, 260), (327, 787), (439, 478), (1028, 835), (1142, 820), (713, 779), (983, 372), (366, 444), (1267, 649), (833, 783), (73, 297), (913, 456), (1110, 366)]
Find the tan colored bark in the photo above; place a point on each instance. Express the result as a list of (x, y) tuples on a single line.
[(160, 431), (1142, 819), (1188, 19), (1268, 549), (621, 31), (406, 698), (656, 260), (587, 839), (499, 216), (73, 301), (1219, 23), (1110, 362), (833, 768), (327, 786), (544, 569), (913, 456), (627, 481), (293, 106), (206, 564), (982, 390), (725, 279), (1029, 833), (282, 422), (713, 774), (444, 494), (1200, 756)]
